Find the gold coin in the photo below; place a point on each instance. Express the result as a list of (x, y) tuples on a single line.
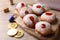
[(12, 25), (19, 34), (12, 32)]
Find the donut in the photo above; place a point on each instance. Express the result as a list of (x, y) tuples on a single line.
[(24, 11), (20, 5), (30, 20), (37, 8), (43, 28), (48, 16)]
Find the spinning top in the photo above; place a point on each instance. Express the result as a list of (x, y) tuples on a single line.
[(6, 10), (11, 2), (12, 18)]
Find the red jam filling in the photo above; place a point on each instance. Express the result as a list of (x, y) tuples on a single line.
[(22, 5), (26, 12), (38, 6), (32, 19), (49, 13), (43, 25)]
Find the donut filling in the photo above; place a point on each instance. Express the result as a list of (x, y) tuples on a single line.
[(22, 5), (38, 6), (32, 19), (26, 12), (48, 13), (43, 25)]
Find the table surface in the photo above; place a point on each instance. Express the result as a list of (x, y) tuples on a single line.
[(4, 22)]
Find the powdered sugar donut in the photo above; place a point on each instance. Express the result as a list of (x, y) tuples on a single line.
[(20, 5), (30, 20), (24, 11), (37, 8), (43, 28), (48, 16)]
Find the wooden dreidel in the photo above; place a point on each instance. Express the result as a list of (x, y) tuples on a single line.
[(6, 10), (11, 2)]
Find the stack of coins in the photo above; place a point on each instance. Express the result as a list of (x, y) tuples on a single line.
[(13, 32)]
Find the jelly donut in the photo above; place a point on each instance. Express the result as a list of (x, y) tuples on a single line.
[(37, 8), (20, 5), (24, 11), (43, 28), (48, 16), (30, 20)]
